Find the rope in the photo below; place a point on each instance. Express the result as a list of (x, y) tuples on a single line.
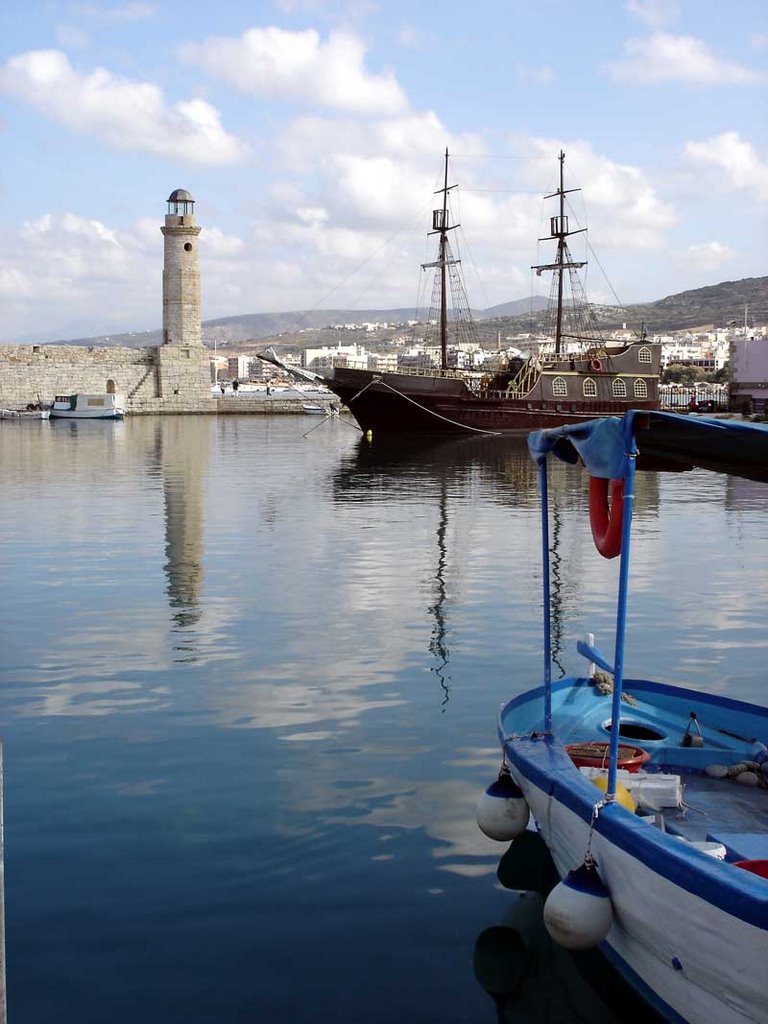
[(437, 415), (589, 860), (355, 397)]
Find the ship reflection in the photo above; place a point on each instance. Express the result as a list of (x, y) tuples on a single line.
[(530, 978), (440, 466), (557, 611), (405, 463), (438, 645)]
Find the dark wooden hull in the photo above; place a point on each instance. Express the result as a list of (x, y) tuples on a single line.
[(396, 402)]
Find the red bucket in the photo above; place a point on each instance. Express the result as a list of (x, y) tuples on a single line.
[(595, 755), (757, 867)]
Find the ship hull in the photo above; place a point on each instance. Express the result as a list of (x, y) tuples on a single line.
[(400, 403)]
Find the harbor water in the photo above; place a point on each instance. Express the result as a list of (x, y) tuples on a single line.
[(248, 694)]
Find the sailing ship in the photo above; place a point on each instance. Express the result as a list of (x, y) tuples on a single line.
[(574, 376)]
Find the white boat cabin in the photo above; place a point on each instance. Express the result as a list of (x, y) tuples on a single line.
[(91, 407)]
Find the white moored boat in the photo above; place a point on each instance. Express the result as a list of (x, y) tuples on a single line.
[(677, 901), (87, 407), (32, 412)]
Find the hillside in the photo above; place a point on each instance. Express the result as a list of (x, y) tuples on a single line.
[(714, 306)]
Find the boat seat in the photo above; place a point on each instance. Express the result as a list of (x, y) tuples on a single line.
[(742, 845), (695, 758)]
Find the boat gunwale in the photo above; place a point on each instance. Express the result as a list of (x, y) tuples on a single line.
[(543, 760)]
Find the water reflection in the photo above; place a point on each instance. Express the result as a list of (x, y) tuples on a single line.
[(530, 978), (183, 445), (438, 645), (407, 467)]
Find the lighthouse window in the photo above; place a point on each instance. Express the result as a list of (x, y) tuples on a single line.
[(559, 387), (590, 388), (641, 389), (187, 247), (619, 388), (644, 356)]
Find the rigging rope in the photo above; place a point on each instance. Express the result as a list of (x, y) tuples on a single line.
[(437, 415)]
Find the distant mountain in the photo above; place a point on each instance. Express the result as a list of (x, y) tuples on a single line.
[(714, 306), (718, 305), (520, 307)]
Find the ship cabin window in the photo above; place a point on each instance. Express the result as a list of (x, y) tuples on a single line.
[(644, 355), (641, 389), (619, 388), (590, 388), (559, 387)]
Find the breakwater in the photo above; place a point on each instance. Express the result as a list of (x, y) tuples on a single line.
[(167, 379)]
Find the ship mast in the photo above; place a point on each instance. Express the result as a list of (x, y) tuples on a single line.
[(445, 259), (558, 228)]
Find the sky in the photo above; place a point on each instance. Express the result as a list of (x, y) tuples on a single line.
[(312, 134)]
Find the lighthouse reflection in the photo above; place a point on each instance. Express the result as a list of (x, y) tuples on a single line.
[(183, 452)]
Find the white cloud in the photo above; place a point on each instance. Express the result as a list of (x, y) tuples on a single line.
[(68, 268), (541, 75), (707, 255), (737, 158), (15, 284), (667, 58), (654, 13), (125, 115), (300, 68), (625, 210)]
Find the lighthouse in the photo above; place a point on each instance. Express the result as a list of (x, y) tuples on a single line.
[(181, 273)]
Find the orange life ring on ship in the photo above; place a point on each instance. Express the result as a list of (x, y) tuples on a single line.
[(595, 755), (596, 365), (605, 521)]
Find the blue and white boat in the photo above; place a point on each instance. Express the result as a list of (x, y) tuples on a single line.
[(677, 902)]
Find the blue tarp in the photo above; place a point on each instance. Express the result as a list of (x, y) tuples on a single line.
[(666, 441)]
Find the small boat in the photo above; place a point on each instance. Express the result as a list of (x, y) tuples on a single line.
[(312, 409), (31, 412), (87, 407), (677, 901), (574, 375)]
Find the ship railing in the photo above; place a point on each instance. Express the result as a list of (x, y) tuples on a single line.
[(417, 371), (526, 378)]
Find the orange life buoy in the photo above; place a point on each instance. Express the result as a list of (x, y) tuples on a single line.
[(605, 521), (596, 365)]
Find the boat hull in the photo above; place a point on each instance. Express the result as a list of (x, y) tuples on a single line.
[(25, 414), (690, 932), (65, 414), (433, 403)]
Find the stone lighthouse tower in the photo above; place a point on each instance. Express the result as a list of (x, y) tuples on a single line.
[(181, 273), (183, 369)]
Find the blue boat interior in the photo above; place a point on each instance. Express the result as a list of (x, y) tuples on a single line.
[(656, 718)]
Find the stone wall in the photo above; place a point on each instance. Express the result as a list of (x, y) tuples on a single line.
[(150, 380)]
